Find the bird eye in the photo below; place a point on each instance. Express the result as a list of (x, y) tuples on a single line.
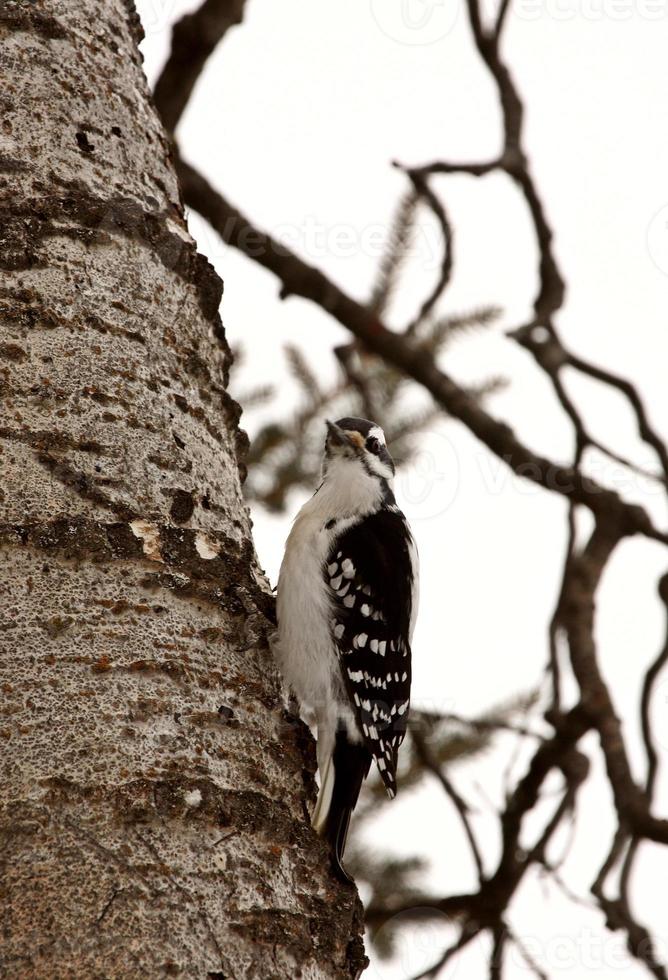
[(373, 445)]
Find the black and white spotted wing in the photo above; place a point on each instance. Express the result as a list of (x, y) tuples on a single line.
[(370, 576)]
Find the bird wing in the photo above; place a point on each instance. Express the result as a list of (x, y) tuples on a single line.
[(371, 578)]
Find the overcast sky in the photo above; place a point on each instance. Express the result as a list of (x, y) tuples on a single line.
[(296, 120)]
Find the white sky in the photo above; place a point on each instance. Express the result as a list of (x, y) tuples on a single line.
[(296, 119)]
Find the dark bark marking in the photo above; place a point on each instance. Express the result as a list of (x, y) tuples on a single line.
[(226, 581), (231, 408), (75, 538), (140, 799), (84, 485), (12, 352), (84, 143), (273, 926), (45, 439), (26, 308), (23, 17), (79, 214), (11, 165), (182, 507)]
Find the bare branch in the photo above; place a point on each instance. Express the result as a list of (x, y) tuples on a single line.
[(300, 279), (577, 616), (526, 956), (449, 167), (500, 19), (194, 38), (499, 937), (487, 905), (618, 911), (647, 432), (647, 690), (466, 934), (547, 349), (460, 805), (422, 188)]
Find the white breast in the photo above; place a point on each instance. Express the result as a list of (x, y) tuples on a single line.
[(304, 646)]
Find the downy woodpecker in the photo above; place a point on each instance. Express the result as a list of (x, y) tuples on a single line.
[(347, 600)]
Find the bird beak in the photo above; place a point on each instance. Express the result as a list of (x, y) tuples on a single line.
[(336, 436)]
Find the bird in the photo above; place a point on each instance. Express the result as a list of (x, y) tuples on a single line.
[(347, 600)]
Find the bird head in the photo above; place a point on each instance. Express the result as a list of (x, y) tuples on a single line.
[(360, 443)]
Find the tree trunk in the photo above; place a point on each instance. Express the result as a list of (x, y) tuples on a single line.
[(152, 818)]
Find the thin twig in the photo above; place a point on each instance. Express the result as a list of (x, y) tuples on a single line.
[(500, 19), (421, 184), (466, 935), (526, 955)]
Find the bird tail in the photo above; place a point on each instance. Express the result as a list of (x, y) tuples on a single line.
[(341, 778)]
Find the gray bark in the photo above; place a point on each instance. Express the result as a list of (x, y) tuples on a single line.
[(152, 810)]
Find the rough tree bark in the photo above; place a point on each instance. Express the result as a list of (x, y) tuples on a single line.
[(152, 818)]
